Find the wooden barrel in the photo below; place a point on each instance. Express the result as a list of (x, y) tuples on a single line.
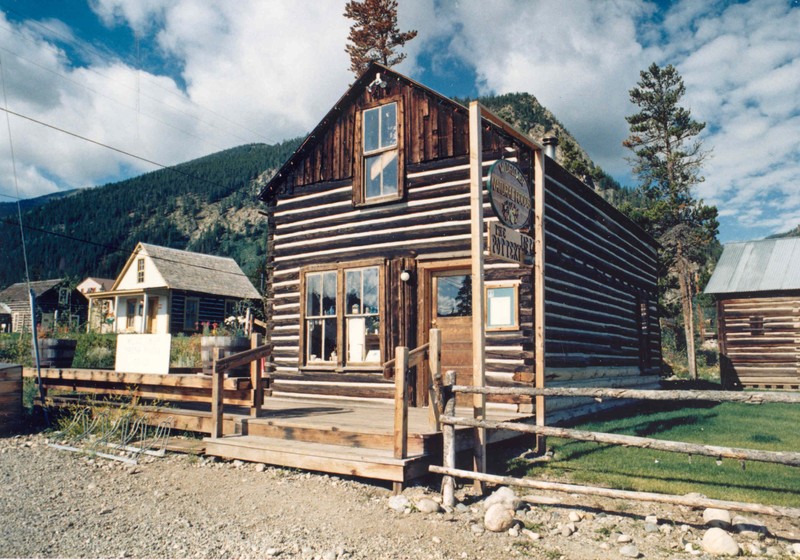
[(10, 398), (227, 345), (56, 352)]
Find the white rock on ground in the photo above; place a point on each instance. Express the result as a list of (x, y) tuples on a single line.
[(503, 495), (399, 503), (629, 551), (498, 518), (715, 517), (718, 542), (427, 505)]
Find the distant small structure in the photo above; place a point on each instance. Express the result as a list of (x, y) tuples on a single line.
[(168, 291), (92, 285), (56, 302), (756, 285)]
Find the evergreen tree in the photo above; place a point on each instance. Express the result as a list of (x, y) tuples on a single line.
[(667, 159), (374, 35)]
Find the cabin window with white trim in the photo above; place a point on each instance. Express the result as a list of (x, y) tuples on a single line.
[(342, 317), (321, 291), (362, 315), (381, 163), (140, 271)]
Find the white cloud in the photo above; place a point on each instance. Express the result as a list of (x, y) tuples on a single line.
[(254, 72), (266, 71)]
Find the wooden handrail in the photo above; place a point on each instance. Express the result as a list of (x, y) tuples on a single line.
[(220, 366), (244, 357), (415, 357)]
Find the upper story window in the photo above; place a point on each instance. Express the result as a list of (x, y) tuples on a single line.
[(379, 172), (380, 151), (140, 271)]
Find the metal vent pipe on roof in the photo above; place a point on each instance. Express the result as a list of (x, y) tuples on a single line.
[(550, 143)]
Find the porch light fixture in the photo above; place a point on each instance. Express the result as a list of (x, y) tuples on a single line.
[(405, 276)]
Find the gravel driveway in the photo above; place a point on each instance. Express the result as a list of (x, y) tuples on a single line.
[(61, 504)]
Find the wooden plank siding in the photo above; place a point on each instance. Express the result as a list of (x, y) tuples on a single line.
[(760, 340), (600, 267)]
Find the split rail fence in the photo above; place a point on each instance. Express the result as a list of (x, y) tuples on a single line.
[(449, 422)]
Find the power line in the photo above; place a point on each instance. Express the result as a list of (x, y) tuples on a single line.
[(112, 148)]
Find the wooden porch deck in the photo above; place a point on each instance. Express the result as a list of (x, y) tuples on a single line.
[(338, 436), (335, 435)]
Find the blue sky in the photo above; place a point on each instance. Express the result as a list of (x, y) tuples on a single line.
[(170, 80)]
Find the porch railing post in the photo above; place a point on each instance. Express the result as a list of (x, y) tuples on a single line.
[(401, 402), (217, 381), (256, 379), (449, 440), (434, 390)]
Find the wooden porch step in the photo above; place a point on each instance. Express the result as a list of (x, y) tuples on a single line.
[(357, 436), (335, 459)]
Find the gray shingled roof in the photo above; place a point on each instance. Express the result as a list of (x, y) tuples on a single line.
[(19, 291), (757, 266), (195, 272)]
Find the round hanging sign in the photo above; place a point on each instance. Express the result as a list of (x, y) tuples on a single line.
[(509, 194)]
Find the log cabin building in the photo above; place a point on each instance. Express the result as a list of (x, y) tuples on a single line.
[(369, 248), (757, 290)]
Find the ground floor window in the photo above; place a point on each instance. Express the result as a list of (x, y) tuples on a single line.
[(342, 316), (191, 314)]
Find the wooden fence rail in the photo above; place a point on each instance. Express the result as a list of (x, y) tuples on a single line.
[(751, 397), (449, 421)]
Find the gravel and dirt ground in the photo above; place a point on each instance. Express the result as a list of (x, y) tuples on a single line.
[(61, 504)]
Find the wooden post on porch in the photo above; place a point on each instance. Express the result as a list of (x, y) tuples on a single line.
[(476, 243), (434, 390), (256, 381), (400, 408), (449, 440), (217, 381)]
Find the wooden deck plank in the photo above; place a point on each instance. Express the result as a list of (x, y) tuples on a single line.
[(336, 459)]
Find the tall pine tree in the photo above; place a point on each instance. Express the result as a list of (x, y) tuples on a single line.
[(374, 35), (667, 159)]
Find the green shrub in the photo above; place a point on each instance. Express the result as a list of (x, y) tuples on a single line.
[(95, 351), (185, 351), (15, 348)]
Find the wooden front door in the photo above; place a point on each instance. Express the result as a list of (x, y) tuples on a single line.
[(152, 315), (448, 307)]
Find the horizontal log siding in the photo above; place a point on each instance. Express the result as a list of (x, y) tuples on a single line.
[(597, 271), (320, 225), (760, 340)]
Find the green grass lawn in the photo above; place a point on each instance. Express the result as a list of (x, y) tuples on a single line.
[(774, 427)]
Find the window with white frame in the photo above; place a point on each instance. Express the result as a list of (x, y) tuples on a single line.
[(380, 144), (342, 317), (362, 315), (140, 271)]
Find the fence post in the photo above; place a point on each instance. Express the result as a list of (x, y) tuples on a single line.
[(256, 381), (449, 440), (434, 389), (217, 382)]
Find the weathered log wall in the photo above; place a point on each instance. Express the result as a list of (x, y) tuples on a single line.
[(758, 338), (600, 280)]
